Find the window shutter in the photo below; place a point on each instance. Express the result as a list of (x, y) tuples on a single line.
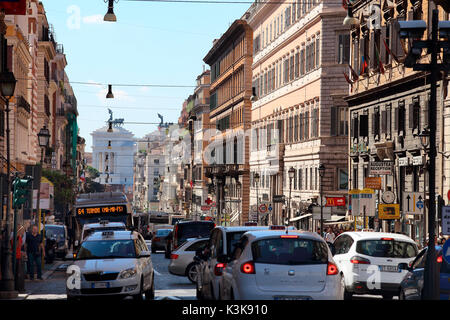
[(346, 49), (334, 121), (382, 48), (425, 111), (396, 119), (374, 119)]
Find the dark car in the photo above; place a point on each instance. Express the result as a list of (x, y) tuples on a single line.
[(56, 240), (184, 230), (411, 288), (159, 239)]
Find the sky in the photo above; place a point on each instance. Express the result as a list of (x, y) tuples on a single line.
[(152, 43)]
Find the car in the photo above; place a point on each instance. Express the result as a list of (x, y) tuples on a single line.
[(103, 225), (412, 284), (369, 261), (280, 265), (182, 260), (184, 230), (113, 263), (221, 244), (58, 234), (159, 239)]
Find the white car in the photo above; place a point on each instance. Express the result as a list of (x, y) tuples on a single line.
[(182, 259), (104, 225), (280, 265), (221, 245), (369, 261), (113, 263)]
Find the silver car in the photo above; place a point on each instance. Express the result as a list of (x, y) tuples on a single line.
[(112, 263), (182, 260)]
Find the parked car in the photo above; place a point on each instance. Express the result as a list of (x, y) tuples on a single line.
[(56, 241), (369, 261), (113, 263), (412, 284), (221, 243), (184, 230), (280, 265), (159, 239), (182, 259)]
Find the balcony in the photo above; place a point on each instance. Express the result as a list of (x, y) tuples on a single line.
[(22, 103)]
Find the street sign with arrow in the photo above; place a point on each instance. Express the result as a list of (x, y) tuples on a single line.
[(413, 202)]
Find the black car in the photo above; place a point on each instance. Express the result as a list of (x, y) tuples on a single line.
[(159, 239), (184, 230), (56, 241)]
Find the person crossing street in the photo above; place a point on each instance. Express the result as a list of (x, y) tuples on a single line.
[(35, 249)]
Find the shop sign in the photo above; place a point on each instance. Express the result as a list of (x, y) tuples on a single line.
[(373, 183), (381, 167)]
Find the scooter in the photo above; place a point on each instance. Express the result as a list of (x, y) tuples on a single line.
[(50, 249)]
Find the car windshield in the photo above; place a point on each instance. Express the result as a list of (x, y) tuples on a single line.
[(103, 249), (386, 248), (162, 232), (89, 232), (289, 251), (54, 232)]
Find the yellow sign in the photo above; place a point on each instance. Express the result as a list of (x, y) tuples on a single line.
[(389, 211), (354, 191), (367, 190)]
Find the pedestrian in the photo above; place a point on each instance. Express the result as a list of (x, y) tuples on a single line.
[(330, 236), (318, 231), (19, 272), (35, 249)]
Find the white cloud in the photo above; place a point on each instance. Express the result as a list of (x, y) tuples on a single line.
[(95, 19)]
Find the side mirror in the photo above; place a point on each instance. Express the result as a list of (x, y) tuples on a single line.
[(403, 266), (145, 254)]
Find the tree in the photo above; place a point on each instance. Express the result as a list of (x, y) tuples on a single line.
[(63, 188)]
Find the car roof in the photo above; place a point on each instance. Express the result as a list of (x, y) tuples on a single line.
[(247, 228), (103, 225), (254, 235), (368, 235), (114, 235), (191, 221)]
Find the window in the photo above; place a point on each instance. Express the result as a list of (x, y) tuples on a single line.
[(302, 61), (364, 125), (300, 181), (343, 244), (297, 64), (286, 70), (317, 51), (291, 68), (387, 123), (287, 17), (376, 123), (386, 248), (295, 180), (355, 177), (339, 122), (306, 179), (197, 245), (343, 179), (344, 49), (315, 123), (414, 116), (256, 44), (400, 114)]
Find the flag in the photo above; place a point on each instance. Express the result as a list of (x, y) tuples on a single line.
[(354, 74), (364, 65), (347, 78), (380, 63), (390, 52)]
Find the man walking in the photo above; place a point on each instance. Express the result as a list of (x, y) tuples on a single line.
[(34, 250)]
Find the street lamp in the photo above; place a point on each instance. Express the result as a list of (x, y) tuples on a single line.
[(256, 177), (424, 141), (349, 19), (7, 87), (291, 173), (109, 95), (110, 16), (321, 174)]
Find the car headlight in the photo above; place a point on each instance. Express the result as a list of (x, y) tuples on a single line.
[(128, 273)]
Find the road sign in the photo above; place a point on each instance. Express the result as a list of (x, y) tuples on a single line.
[(354, 196), (326, 213), (367, 202), (388, 211), (279, 198), (446, 221), (446, 251), (263, 208), (373, 183), (270, 208), (413, 202)]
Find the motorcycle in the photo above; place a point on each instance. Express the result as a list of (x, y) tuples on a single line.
[(50, 249)]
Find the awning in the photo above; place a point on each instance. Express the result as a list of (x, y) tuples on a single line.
[(336, 219), (301, 217)]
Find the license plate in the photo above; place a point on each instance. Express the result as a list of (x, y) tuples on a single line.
[(97, 285), (292, 298), (388, 268)]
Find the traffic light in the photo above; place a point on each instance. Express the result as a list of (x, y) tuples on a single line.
[(21, 191)]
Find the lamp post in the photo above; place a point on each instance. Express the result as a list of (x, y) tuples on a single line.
[(256, 177), (110, 16), (424, 141), (7, 87), (321, 174), (291, 173)]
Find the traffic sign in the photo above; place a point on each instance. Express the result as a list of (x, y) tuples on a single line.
[(388, 211), (354, 196), (367, 202), (446, 220), (270, 208), (263, 208), (446, 251), (413, 202)]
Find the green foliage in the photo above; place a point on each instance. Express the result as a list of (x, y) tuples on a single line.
[(63, 187), (92, 173)]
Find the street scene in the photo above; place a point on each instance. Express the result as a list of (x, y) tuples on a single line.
[(263, 150)]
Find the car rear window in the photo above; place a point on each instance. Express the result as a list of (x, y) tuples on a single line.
[(194, 230), (232, 239), (162, 232), (289, 251), (386, 248)]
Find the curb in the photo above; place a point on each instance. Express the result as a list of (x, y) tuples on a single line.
[(52, 269)]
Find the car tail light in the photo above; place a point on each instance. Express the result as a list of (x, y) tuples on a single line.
[(387, 239), (289, 236), (439, 259), (173, 256), (248, 268), (332, 269), (359, 260), (218, 269)]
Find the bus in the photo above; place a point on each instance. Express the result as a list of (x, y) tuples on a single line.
[(101, 206)]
